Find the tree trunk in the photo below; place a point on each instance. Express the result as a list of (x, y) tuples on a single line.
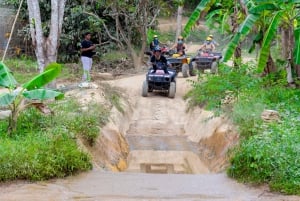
[(141, 26), (288, 42), (297, 68), (235, 26), (45, 47), (270, 67), (179, 22), (12, 122), (284, 42)]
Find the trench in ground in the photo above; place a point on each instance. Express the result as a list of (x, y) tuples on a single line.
[(156, 134), (174, 153)]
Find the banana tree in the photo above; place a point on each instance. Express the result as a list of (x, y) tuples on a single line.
[(203, 5), (274, 15), (218, 11), (18, 98)]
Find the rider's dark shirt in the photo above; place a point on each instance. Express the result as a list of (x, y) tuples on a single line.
[(161, 60), (180, 47), (160, 63)]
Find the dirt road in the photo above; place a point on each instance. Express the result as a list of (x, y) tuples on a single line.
[(160, 136)]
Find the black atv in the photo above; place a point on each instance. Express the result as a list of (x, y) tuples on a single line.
[(204, 60), (180, 63), (160, 82)]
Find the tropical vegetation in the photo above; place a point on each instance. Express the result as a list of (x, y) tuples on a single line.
[(268, 151), (30, 94)]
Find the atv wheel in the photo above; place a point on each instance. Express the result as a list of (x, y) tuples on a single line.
[(172, 90), (214, 67), (185, 68), (145, 89), (191, 70)]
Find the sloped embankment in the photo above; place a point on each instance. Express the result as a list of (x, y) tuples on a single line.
[(156, 135)]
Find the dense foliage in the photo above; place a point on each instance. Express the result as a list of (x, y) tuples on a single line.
[(269, 151), (45, 147), (97, 17)]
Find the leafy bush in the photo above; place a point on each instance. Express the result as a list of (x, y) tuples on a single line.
[(41, 157), (208, 92), (271, 157), (268, 152), (31, 94), (44, 147)]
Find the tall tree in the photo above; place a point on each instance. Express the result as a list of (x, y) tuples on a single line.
[(131, 20), (223, 12), (45, 43), (180, 4)]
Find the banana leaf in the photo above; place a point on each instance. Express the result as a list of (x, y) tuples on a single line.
[(297, 46), (6, 99), (231, 47), (213, 14), (244, 29), (7, 80), (257, 39), (268, 38), (260, 8), (249, 3), (264, 1), (194, 17), (42, 94), (225, 25), (49, 74)]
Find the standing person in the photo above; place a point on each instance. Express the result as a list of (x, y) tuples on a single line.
[(159, 61), (87, 53)]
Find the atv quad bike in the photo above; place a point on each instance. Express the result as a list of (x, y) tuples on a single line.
[(160, 82), (204, 61), (180, 63)]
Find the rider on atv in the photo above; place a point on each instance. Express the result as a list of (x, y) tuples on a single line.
[(154, 43), (159, 61), (208, 46), (180, 46)]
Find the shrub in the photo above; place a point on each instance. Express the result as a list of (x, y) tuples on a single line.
[(45, 147), (268, 152)]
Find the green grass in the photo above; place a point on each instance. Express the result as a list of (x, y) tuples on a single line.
[(113, 56), (45, 147), (24, 69), (40, 157), (113, 95), (268, 152)]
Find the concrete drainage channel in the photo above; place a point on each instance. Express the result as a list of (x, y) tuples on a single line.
[(164, 155), (196, 146), (162, 137)]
